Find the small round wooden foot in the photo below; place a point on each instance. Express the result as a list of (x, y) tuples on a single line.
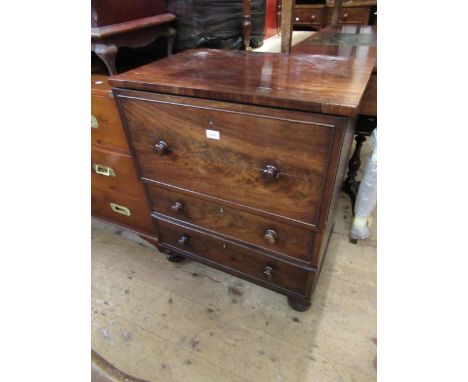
[(174, 258), (300, 305)]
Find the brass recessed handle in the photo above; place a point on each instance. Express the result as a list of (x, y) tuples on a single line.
[(161, 148), (177, 207), (120, 209), (183, 241), (270, 173), (270, 236), (103, 170), (268, 272), (94, 122)]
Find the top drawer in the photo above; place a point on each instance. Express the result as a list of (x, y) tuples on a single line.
[(267, 159), (106, 128)]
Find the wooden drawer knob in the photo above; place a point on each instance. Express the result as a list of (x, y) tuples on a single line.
[(345, 16), (270, 173), (183, 241), (268, 272), (177, 207), (270, 236), (161, 148), (313, 17)]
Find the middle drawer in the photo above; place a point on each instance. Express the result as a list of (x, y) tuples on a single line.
[(114, 171), (272, 235)]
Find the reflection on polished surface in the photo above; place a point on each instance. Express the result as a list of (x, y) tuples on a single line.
[(346, 41), (310, 82)]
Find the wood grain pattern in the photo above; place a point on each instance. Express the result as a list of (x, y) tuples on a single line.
[(110, 132), (139, 219), (231, 168), (232, 257), (125, 179), (236, 224), (287, 22), (244, 155), (332, 85), (132, 25), (352, 15), (359, 42), (369, 100), (106, 12), (313, 15)]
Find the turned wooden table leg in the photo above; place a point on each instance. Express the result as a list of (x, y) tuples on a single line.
[(350, 185), (171, 36), (107, 53)]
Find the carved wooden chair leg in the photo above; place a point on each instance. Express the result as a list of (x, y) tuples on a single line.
[(171, 36), (299, 304), (350, 185), (107, 53)]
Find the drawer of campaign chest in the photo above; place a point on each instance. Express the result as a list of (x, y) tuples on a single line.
[(122, 209), (351, 15), (106, 129), (269, 234), (235, 258), (309, 16), (114, 171), (268, 159)]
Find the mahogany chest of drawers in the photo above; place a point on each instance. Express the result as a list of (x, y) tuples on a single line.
[(117, 195), (318, 16), (242, 155)]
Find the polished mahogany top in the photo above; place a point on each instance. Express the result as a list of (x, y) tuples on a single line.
[(326, 84), (357, 41)]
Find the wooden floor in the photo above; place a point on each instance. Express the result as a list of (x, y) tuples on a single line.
[(186, 322)]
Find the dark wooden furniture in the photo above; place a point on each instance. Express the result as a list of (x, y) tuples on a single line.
[(117, 196), (243, 155), (318, 16), (287, 15), (359, 42), (119, 23)]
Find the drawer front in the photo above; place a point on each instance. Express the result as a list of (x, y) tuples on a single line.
[(271, 162), (115, 172), (235, 257), (354, 15), (272, 235), (106, 128), (122, 209), (308, 16)]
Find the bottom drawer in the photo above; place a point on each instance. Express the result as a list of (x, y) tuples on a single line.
[(235, 258), (122, 209)]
